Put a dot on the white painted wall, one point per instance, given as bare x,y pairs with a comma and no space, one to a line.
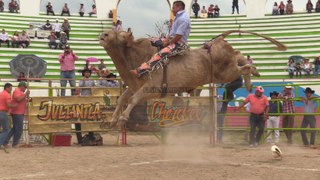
255,9
29,8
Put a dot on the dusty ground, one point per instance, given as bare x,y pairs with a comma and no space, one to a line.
184,157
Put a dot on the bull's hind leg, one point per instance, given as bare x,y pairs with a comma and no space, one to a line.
123,100
137,97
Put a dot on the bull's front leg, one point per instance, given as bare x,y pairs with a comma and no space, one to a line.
123,100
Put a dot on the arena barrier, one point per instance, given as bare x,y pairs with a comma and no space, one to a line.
239,121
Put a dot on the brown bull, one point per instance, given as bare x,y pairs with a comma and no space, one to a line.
217,62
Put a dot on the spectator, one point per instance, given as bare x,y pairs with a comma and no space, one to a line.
291,67
49,9
316,63
204,12
275,9
4,38
281,8
210,11
216,11
104,82
16,6
5,105
21,77
19,97
274,119
101,65
309,6
65,27
195,8
259,108
52,41
24,40
81,10
15,39
93,69
289,7
110,14
235,4
93,11
249,60
47,26
65,9
310,104
318,6
85,82
67,61
56,27
11,6
288,107
1,6
307,67
63,41
298,69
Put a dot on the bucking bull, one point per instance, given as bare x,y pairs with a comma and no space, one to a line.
215,62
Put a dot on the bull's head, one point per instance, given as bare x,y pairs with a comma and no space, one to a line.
116,39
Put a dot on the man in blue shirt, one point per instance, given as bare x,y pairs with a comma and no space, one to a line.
275,107
178,36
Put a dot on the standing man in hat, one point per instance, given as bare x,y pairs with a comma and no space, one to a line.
67,60
274,119
19,97
259,108
288,107
5,105
310,103
195,8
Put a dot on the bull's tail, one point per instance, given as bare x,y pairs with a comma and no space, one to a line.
280,46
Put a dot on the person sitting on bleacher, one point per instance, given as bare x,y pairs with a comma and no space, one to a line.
24,40
1,6
210,11
204,12
275,9
47,26
65,27
216,11
93,11
49,9
316,64
56,27
318,6
4,38
52,41
15,39
307,67
65,9
63,40
291,67
11,6
298,69
289,7
309,6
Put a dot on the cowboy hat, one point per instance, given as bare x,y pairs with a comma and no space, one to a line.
288,86
274,93
309,90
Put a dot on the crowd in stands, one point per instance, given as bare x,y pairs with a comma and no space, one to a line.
16,40
13,6
213,10
310,7
282,9
303,65
66,10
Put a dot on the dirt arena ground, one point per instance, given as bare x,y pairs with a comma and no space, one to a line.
183,157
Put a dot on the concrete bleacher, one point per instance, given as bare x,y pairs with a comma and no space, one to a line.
83,40
299,32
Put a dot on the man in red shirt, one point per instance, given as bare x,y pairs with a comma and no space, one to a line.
5,105
259,108
19,98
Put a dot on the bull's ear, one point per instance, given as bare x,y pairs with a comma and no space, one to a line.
129,39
